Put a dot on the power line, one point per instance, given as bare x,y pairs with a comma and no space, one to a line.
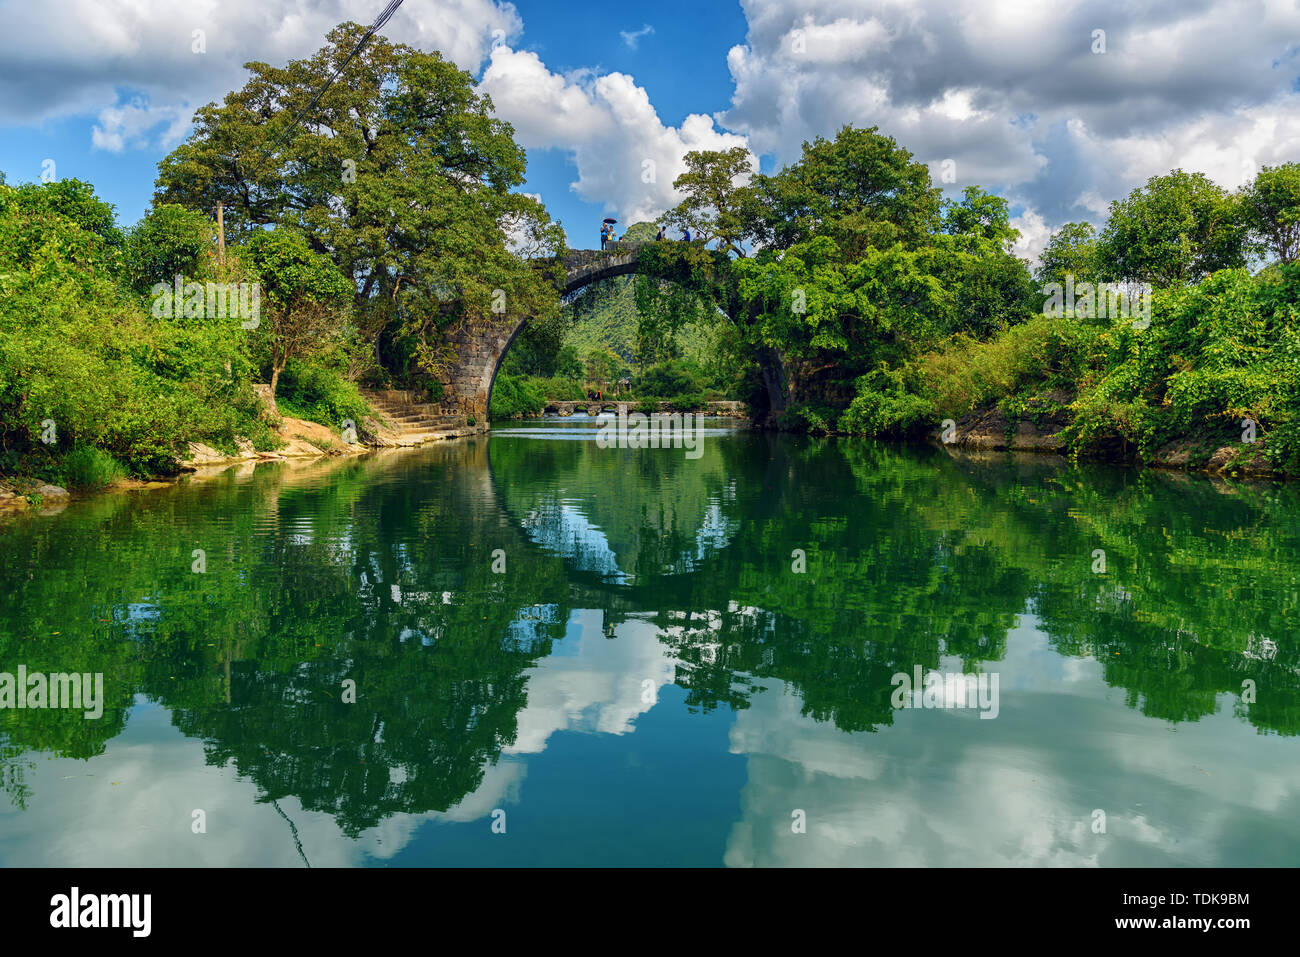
375,27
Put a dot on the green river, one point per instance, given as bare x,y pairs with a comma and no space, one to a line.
529,649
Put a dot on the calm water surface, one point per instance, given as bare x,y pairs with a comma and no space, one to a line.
610,653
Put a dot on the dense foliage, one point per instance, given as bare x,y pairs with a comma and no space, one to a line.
854,263
1216,354
841,293
400,174
874,307
84,363
358,233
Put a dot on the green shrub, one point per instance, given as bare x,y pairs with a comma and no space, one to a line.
88,468
314,392
1215,353
965,374
689,402
83,353
169,241
880,413
667,380
514,396
557,388
805,417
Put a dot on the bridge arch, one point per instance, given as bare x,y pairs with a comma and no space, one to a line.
468,384
468,388
582,267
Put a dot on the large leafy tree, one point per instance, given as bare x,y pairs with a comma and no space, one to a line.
857,263
400,173
169,241
304,294
1177,228
861,188
717,202
979,217
1071,251
1272,209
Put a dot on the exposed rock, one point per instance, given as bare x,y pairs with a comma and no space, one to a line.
992,431
372,433
312,433
297,447
51,491
1220,458
200,454
1245,460
1175,455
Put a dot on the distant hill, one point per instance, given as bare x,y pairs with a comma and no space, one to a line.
612,322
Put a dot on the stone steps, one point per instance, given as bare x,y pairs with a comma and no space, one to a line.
407,415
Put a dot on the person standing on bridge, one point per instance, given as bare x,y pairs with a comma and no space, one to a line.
604,234
659,236
686,235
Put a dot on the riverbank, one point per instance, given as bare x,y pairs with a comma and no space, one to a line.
991,429
986,432
1040,431
300,440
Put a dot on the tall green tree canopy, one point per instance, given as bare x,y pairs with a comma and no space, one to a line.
1272,209
857,261
980,216
401,173
169,241
1071,251
1177,228
716,204
861,188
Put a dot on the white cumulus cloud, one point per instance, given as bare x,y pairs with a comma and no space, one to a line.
1012,93
107,57
626,157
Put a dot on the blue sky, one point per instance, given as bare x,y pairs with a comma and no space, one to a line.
681,64
1017,96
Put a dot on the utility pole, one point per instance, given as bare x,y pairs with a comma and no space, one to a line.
221,237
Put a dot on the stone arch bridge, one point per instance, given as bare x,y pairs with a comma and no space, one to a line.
467,385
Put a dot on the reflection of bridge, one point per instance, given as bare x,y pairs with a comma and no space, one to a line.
605,550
